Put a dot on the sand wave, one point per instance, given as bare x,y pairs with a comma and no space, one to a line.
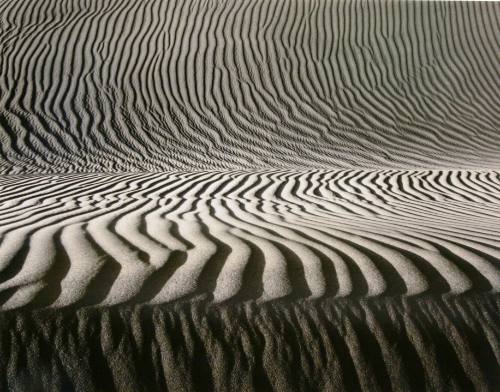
160,85
104,239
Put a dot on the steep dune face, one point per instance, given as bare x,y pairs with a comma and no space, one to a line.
157,85
375,345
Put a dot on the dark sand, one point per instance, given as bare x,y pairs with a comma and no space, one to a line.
426,343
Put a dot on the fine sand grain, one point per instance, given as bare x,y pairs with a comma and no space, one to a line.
431,343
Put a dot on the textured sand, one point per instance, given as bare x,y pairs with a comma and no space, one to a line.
126,85
369,345
108,239
257,195
261,280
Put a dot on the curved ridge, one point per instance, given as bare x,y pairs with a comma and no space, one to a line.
260,235
123,86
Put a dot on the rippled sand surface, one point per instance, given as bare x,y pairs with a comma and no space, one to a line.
249,195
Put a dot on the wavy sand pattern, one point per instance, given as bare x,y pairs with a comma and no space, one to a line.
271,280
249,195
113,85
156,238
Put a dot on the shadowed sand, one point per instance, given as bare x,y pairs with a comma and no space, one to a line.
435,344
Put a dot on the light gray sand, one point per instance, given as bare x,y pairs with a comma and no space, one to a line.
262,235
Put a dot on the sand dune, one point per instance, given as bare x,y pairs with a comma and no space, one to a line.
249,195
216,84
157,238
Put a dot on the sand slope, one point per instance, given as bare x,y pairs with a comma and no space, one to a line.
271,280
157,85
375,345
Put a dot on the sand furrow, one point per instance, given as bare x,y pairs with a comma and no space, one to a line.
231,236
227,85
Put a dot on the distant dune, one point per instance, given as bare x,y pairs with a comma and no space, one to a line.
160,85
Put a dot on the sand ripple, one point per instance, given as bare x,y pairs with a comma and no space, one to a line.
101,239
122,85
